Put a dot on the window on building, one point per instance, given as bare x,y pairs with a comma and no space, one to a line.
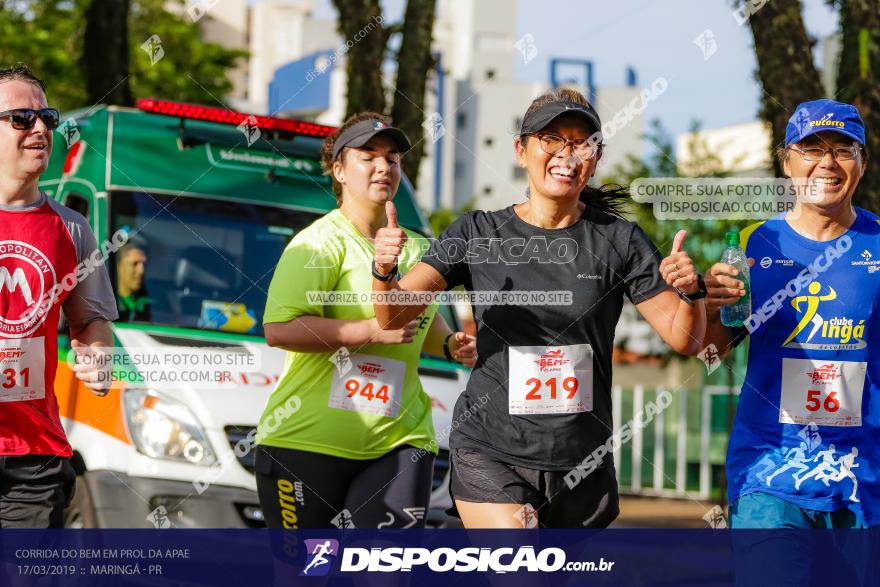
518,173
490,74
460,120
488,141
487,190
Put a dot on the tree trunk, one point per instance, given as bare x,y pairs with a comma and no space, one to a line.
360,26
786,70
414,62
105,53
857,84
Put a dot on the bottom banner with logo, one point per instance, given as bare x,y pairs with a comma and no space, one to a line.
434,557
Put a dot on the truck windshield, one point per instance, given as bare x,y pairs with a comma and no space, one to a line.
201,262
198,262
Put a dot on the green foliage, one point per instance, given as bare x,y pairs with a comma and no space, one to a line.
705,240
443,217
47,35
191,70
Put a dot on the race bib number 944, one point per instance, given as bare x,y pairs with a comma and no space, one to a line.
22,361
550,380
827,393
372,385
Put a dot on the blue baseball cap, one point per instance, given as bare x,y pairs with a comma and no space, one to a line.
824,115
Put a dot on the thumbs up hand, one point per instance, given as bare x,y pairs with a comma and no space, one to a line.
389,242
678,269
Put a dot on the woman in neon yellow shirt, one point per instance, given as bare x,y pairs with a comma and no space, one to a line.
340,439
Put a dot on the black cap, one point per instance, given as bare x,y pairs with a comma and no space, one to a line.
547,113
359,134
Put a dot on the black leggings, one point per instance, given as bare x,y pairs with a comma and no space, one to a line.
300,489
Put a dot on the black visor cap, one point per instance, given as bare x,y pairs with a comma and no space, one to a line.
540,118
358,135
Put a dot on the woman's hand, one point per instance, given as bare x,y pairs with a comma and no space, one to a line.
463,348
398,336
678,269
389,242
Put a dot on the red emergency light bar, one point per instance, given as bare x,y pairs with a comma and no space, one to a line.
221,115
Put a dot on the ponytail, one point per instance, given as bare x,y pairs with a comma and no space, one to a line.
610,198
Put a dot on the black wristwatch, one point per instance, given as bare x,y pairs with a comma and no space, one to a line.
391,275
697,295
446,347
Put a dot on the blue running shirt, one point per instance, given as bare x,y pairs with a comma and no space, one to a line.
808,423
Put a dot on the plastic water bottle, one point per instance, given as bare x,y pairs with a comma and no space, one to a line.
736,314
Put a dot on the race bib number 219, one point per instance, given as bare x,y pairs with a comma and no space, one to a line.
550,380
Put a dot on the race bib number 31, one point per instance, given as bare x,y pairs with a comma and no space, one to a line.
22,361
827,393
550,380
371,385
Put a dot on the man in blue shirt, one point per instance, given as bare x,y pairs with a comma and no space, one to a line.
803,449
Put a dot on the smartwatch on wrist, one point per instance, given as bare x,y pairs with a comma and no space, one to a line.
446,347
697,295
391,275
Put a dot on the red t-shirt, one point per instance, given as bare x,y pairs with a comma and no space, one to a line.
41,246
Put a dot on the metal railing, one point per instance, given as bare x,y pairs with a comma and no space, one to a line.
680,440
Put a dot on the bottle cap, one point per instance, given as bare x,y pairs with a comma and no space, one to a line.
731,237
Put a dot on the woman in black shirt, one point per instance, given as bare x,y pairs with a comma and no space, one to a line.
551,274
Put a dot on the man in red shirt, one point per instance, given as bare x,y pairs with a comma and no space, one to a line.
43,249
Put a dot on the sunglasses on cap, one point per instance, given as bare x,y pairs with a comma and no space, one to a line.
26,118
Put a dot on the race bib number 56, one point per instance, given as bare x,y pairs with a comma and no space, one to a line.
827,393
550,380
22,361
371,385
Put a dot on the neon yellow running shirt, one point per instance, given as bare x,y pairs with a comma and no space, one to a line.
357,403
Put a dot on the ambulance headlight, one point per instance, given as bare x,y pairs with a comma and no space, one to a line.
164,428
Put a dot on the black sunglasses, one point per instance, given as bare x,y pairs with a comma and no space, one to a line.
26,118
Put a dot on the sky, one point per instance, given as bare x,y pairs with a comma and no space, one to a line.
656,38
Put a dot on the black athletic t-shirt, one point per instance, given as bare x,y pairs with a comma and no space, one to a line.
599,259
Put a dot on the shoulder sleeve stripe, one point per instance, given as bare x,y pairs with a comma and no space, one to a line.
77,227
746,232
